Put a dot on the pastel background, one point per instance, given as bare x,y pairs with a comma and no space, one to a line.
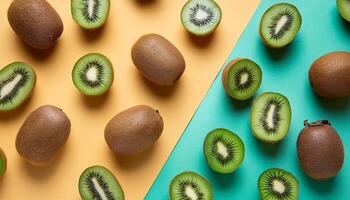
128,20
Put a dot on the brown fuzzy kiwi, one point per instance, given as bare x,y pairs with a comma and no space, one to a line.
329,75
3,163
43,134
320,150
158,60
134,130
36,22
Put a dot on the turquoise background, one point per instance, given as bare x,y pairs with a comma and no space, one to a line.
284,71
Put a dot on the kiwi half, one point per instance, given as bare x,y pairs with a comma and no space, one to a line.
241,78
344,9
17,80
93,74
278,184
223,150
201,17
90,14
190,186
270,117
3,163
98,183
279,25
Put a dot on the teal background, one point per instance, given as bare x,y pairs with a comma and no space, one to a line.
284,71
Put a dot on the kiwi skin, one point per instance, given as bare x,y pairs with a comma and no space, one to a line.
36,22
43,134
158,60
329,75
320,150
3,156
134,130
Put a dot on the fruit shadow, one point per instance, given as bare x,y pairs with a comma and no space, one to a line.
225,181
324,186
95,102
240,104
160,91
200,41
345,25
276,54
38,54
335,105
16,113
93,35
270,149
145,2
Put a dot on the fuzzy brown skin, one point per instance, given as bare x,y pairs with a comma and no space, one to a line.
158,60
320,151
36,22
225,74
330,75
134,130
43,134
3,156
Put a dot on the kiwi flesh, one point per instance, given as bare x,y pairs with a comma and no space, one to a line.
278,184
17,81
270,117
279,25
93,74
241,78
3,163
223,150
98,183
90,14
190,186
201,17
344,9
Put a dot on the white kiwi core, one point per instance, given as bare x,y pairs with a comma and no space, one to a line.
91,74
221,149
280,24
190,192
270,114
278,186
99,189
10,86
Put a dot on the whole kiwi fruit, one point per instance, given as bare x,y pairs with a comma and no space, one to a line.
158,60
330,75
320,150
43,134
36,22
133,130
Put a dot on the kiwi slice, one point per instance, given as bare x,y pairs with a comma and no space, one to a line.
278,184
270,117
93,74
190,186
17,80
2,163
223,150
98,183
90,14
280,24
344,9
201,17
241,78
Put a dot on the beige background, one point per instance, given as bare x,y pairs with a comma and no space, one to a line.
128,20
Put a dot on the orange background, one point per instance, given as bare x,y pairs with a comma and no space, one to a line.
128,20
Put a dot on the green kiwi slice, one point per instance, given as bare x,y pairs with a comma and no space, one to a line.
90,14
201,17
93,74
223,150
17,81
270,117
241,78
190,186
98,183
3,163
278,184
280,24
344,9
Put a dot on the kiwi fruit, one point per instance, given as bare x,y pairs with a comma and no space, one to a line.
158,60
270,117
36,22
134,130
278,184
93,74
320,150
98,183
17,81
190,186
201,17
223,150
344,9
90,14
3,163
241,78
329,75
42,134
279,25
